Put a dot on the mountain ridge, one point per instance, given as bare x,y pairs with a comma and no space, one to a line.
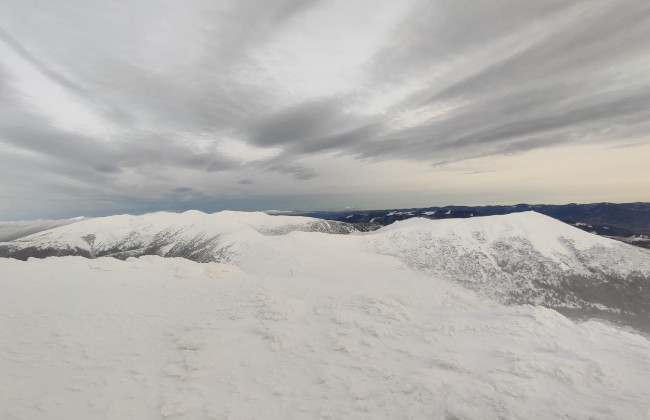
626,222
522,258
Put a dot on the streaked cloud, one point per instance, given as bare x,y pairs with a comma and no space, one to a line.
129,103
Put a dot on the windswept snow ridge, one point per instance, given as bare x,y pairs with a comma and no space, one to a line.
346,334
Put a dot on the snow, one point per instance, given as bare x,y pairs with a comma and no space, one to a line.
544,231
399,213
526,258
637,238
306,325
10,231
518,258
169,338
129,231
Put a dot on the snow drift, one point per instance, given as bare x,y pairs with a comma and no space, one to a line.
168,338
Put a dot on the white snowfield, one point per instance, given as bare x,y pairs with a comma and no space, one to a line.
304,325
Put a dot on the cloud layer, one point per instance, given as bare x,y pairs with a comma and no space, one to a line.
150,104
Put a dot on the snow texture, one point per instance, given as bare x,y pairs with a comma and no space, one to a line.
529,258
328,335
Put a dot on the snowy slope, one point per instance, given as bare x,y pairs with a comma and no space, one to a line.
529,258
515,259
347,334
193,234
10,231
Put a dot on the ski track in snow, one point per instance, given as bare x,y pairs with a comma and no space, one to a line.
155,338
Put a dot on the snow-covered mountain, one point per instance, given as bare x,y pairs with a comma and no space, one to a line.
627,222
529,258
194,235
10,231
296,322
521,258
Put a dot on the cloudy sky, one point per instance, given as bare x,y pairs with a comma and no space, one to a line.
134,106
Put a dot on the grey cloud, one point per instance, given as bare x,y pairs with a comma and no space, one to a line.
314,127
568,84
436,31
56,144
343,140
565,57
629,145
501,132
516,76
90,97
100,166
296,124
182,190
441,163
96,45
299,172
220,165
304,123
22,51
107,158
573,77
108,169
502,99
477,172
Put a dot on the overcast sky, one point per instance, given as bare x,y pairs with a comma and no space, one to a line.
142,105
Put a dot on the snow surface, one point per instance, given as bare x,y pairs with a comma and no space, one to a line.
10,231
153,338
303,325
